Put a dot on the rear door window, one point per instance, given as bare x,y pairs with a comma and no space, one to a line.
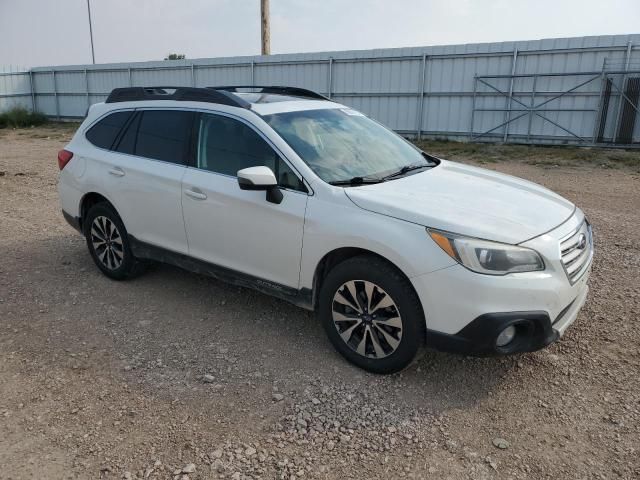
162,135
104,133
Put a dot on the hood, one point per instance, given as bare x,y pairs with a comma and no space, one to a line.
469,201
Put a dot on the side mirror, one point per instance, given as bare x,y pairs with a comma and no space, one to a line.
260,178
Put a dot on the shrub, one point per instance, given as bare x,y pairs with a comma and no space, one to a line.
20,117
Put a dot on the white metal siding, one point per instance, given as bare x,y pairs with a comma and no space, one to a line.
385,83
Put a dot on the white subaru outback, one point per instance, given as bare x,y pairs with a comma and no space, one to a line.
285,191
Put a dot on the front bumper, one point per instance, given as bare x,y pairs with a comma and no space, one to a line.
466,311
534,331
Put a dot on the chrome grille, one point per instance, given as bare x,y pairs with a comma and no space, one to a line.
576,252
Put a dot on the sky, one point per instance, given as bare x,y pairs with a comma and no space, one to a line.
56,32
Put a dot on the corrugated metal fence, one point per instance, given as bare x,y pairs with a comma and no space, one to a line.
543,91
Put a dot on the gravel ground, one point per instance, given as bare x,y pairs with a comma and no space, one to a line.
178,376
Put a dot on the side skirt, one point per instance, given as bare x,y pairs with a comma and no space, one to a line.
301,298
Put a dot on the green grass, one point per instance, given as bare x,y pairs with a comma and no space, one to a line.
19,117
567,156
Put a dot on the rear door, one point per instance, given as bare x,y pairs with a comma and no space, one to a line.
144,173
240,229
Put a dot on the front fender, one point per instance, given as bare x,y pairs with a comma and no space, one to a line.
330,226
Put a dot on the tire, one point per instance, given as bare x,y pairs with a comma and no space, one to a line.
388,314
108,243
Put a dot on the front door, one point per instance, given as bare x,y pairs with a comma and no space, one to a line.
240,229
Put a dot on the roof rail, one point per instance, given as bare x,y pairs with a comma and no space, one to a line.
185,94
294,91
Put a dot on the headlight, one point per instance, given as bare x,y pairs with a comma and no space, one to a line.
483,256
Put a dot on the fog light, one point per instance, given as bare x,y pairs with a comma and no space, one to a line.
506,336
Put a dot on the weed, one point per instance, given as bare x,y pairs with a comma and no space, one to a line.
20,117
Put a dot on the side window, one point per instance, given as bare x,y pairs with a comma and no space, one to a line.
127,142
226,145
104,133
163,135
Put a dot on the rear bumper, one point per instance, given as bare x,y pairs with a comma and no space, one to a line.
73,221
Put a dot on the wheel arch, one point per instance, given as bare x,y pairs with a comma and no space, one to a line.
90,199
339,255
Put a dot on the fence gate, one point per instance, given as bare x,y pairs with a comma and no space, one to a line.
522,108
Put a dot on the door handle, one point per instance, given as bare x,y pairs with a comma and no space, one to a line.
195,194
117,171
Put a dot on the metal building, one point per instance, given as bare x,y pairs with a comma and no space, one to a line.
571,90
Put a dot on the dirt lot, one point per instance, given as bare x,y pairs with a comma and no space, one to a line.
100,379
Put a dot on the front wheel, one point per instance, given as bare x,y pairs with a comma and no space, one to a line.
372,315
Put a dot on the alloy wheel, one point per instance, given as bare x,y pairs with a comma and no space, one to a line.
367,319
107,242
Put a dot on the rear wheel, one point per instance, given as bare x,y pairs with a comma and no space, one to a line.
108,243
372,315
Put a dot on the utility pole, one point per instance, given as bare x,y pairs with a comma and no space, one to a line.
93,55
265,28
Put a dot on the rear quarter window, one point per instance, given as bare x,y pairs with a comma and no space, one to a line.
104,133
127,142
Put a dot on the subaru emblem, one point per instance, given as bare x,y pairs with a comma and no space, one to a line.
582,242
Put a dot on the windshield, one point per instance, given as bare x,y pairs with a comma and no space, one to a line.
342,144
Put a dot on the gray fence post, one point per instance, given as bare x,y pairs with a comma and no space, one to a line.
253,73
330,78
627,59
473,105
33,93
130,77
193,76
507,115
599,113
86,88
531,105
55,94
420,109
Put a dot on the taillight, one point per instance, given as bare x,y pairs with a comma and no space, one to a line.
63,158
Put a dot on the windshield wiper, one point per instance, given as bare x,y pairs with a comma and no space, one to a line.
406,169
355,181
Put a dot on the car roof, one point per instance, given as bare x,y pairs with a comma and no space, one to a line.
263,100
291,104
